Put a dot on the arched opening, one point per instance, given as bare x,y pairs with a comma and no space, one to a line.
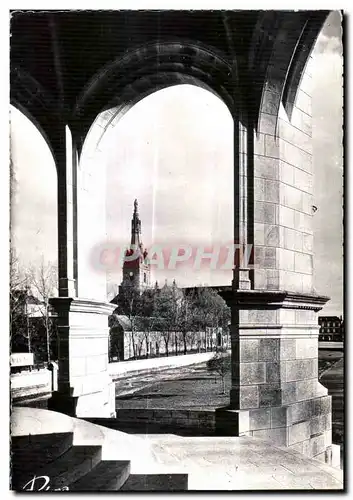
33,243
173,150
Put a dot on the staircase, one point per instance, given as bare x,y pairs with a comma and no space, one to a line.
51,461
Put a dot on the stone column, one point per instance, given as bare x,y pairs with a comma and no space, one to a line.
275,391
84,386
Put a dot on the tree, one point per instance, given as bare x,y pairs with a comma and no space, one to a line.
129,304
43,282
167,303
220,364
185,319
19,292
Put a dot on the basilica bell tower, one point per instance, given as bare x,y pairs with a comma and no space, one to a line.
136,268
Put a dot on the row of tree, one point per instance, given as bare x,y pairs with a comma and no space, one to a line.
173,312
32,323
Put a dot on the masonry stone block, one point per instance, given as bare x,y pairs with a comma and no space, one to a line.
268,123
259,144
295,136
299,432
322,405
300,411
307,282
272,189
278,436
306,389
305,317
260,419
290,197
302,120
271,236
249,397
273,372
328,421
294,155
265,212
301,369
317,445
299,447
307,203
270,258
266,168
269,395
260,277
272,146
269,349
253,373
306,84
263,316
289,392
317,425
308,243
303,102
279,417
286,173
290,280
306,348
249,350
287,316
291,239
285,259
272,277
259,189
271,102
287,349
286,217
303,180
259,233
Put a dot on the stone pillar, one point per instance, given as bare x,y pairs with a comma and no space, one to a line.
275,391
84,386
66,169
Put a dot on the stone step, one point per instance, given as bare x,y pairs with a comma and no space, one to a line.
108,475
156,482
67,469
32,452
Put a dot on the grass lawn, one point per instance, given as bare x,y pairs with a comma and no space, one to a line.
195,389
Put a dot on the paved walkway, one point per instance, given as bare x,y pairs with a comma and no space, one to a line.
212,463
233,463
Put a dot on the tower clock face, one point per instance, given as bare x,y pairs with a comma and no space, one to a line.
131,274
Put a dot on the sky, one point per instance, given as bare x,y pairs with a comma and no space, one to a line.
173,152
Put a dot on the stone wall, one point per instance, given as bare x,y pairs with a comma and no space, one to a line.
195,422
283,193
30,383
128,368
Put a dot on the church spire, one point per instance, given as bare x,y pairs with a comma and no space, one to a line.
135,226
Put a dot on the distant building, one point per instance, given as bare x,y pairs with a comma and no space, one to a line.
331,328
136,268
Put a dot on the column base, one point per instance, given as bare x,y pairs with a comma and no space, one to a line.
100,404
304,426
85,388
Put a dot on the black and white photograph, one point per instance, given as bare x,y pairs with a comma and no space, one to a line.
176,250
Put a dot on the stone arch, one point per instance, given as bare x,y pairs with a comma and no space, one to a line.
144,70
92,177
29,96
